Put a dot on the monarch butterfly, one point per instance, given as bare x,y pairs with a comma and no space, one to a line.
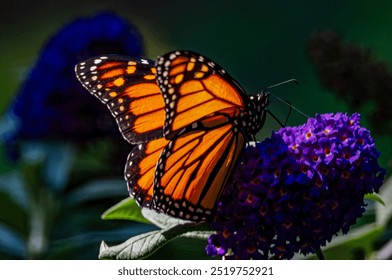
189,120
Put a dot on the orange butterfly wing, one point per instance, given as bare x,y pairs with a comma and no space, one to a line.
140,170
129,89
195,166
193,87
204,107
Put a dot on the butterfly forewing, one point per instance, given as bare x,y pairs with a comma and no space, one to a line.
193,87
128,87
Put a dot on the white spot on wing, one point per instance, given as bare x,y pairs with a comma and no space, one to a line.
144,61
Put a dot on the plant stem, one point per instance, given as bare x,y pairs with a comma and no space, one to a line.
319,254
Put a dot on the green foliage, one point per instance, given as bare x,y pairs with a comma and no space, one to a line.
126,209
39,203
384,212
375,197
144,245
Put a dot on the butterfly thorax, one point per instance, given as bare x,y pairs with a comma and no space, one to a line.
256,114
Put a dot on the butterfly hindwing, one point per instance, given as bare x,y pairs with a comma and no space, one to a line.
140,170
195,165
193,87
128,87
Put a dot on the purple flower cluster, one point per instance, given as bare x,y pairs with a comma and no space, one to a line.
294,191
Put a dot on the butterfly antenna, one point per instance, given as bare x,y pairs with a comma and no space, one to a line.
282,83
276,119
289,104
284,102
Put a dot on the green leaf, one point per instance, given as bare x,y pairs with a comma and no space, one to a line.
202,235
144,245
375,197
161,220
126,209
165,222
182,248
384,212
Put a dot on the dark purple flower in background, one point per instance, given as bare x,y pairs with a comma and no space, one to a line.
354,74
51,104
294,191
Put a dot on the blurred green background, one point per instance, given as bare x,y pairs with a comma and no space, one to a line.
260,43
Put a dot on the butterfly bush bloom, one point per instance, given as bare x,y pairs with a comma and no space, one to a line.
294,191
354,74
51,104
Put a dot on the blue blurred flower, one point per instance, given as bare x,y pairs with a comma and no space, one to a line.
51,104
294,191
